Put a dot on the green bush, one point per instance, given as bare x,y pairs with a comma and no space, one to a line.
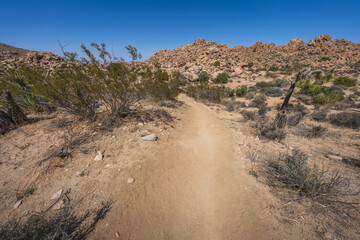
345,81
324,59
205,91
20,81
241,92
203,76
273,68
327,98
217,64
320,94
221,78
250,64
259,99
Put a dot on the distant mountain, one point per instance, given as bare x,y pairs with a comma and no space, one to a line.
10,54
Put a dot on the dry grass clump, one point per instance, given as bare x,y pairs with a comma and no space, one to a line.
63,224
292,171
312,131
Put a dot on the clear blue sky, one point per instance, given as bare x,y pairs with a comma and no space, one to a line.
154,25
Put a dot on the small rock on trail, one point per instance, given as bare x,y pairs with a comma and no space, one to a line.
150,137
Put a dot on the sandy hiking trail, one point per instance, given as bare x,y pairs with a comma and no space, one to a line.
197,187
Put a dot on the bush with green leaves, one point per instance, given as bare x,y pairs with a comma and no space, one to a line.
241,92
323,59
345,81
203,76
320,94
221,78
206,92
217,64
273,68
250,64
20,80
259,100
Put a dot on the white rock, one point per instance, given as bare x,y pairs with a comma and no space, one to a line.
130,180
150,137
17,204
99,156
57,194
79,173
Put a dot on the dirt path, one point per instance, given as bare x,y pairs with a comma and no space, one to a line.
195,188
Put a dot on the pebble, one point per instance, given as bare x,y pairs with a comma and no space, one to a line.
57,194
99,156
130,180
17,204
150,137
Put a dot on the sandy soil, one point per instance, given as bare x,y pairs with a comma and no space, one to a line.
196,187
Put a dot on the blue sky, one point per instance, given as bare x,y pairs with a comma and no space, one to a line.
154,25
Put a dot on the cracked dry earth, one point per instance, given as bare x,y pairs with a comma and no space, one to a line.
196,187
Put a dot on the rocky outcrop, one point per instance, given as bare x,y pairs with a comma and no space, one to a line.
201,55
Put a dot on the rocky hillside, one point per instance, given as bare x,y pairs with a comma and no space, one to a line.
320,52
10,54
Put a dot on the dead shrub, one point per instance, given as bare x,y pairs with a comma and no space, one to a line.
292,171
63,224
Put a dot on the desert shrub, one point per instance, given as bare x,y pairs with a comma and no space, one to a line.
249,115
273,92
286,71
271,75
186,68
311,132
64,224
20,81
159,86
325,99
217,64
298,108
279,82
250,64
250,95
203,76
346,119
232,105
221,78
320,94
324,59
337,90
272,132
262,109
263,84
292,171
328,77
252,89
72,87
205,91
273,68
294,119
320,115
258,100
241,92
345,81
